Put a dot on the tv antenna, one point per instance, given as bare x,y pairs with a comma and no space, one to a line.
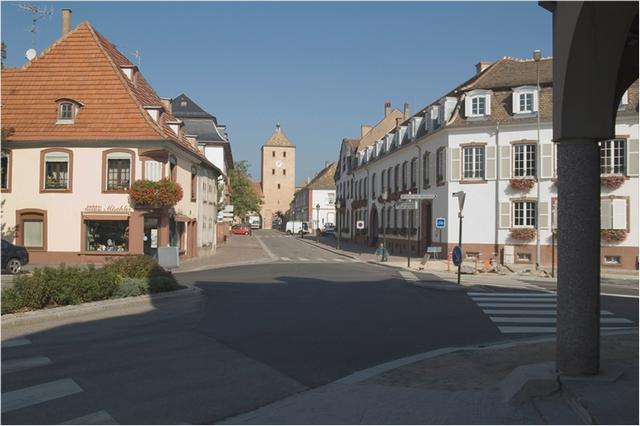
138,56
36,14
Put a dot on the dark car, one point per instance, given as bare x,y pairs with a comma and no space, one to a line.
13,257
329,230
242,229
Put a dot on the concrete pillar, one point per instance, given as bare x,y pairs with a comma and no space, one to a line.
578,316
163,231
136,232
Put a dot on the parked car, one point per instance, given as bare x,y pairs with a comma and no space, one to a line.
296,226
13,257
329,230
241,229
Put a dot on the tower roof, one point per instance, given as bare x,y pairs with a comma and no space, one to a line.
278,138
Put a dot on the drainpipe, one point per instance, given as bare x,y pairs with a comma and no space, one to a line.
497,199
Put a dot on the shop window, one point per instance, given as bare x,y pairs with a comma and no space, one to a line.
523,257
118,170
107,235
5,170
56,167
612,260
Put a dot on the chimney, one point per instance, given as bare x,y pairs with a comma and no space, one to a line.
406,110
481,66
398,121
166,103
66,21
364,129
326,163
387,108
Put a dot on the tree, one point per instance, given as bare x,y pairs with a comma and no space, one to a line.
243,196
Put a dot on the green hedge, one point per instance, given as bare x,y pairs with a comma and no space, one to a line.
70,285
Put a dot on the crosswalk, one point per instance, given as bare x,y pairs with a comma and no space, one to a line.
528,312
320,260
38,393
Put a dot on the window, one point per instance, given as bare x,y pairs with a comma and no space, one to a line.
152,170
526,102
173,168
524,214
425,170
473,165
440,165
404,176
107,235
524,160
613,213
32,229
373,186
478,105
273,171
65,111
118,170
612,260
382,180
389,217
389,188
284,154
56,170
273,153
194,183
612,155
284,172
413,172
365,191
5,170
331,198
396,176
278,186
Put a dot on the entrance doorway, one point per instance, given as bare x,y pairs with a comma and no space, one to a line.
373,226
426,226
151,236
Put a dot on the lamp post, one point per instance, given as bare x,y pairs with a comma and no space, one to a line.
536,57
317,222
460,195
338,206
385,197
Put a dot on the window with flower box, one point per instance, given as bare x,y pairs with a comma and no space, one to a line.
524,214
56,170
612,156
118,169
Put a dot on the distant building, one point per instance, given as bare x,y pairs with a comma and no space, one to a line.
320,191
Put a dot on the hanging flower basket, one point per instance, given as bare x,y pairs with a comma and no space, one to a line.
414,231
612,181
613,235
523,234
522,183
357,204
155,194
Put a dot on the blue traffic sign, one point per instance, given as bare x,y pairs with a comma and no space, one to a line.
441,223
457,256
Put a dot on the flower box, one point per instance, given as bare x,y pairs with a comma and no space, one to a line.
155,194
613,235
612,181
523,234
522,183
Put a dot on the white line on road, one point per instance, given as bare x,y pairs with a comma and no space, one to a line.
20,341
13,365
266,249
516,329
553,320
26,397
303,259
528,312
517,305
320,259
408,276
488,294
512,299
286,259
354,260
337,259
98,418
631,296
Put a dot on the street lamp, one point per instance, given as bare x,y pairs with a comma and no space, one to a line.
339,231
385,197
460,195
536,57
317,222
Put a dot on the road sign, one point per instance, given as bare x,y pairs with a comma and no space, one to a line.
441,223
417,196
407,205
360,224
456,256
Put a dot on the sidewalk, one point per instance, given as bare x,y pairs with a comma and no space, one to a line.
472,386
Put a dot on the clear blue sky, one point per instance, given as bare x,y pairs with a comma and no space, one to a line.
320,69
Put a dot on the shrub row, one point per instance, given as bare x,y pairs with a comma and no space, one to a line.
71,285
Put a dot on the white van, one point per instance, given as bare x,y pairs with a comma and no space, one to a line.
295,226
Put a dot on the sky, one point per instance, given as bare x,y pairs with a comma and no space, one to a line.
320,69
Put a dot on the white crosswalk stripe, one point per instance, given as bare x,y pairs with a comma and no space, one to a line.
19,341
286,259
536,312
13,365
303,259
98,418
37,394
408,276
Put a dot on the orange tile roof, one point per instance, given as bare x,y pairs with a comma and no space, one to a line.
83,66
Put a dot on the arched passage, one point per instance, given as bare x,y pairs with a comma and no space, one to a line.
373,226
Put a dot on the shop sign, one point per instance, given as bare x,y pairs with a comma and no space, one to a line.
96,208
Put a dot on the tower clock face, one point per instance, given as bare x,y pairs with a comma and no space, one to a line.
279,163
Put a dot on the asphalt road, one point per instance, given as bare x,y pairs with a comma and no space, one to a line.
257,334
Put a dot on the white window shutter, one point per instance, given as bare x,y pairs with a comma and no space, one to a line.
505,215
544,215
454,166
488,104
546,158
619,213
633,157
555,160
505,162
467,106
490,163
515,102
536,100
152,170
605,213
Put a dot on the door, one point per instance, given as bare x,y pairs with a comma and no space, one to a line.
151,236
426,226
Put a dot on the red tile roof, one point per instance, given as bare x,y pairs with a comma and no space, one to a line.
83,66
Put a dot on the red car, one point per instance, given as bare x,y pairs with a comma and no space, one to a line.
243,229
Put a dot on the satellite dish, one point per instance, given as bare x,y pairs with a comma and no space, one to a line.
31,54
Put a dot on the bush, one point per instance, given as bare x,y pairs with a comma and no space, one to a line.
10,301
139,266
132,287
159,284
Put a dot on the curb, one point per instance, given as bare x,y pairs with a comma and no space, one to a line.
226,265
313,243
45,315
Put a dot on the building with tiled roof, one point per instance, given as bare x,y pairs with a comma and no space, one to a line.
315,201
483,138
85,126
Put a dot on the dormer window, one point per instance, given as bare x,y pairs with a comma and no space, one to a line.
154,112
67,111
478,103
128,70
175,126
624,101
525,100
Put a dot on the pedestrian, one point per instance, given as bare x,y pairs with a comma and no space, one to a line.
381,253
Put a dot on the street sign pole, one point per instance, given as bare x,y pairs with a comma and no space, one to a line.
409,213
460,244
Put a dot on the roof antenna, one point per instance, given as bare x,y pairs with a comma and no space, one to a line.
138,56
36,14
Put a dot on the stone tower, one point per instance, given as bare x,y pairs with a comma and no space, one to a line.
278,175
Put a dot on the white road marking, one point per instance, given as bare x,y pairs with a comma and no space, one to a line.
408,276
512,299
286,259
517,305
552,320
488,294
19,341
620,295
354,260
515,329
337,259
303,259
13,365
528,312
98,418
266,249
33,395
321,260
